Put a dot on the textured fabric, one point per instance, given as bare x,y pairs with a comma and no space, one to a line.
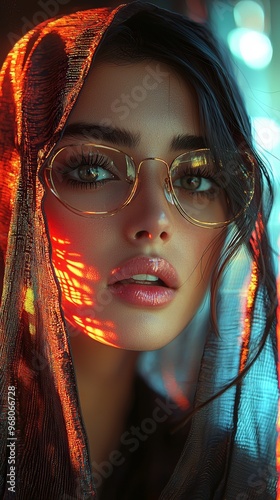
232,440
230,450
52,460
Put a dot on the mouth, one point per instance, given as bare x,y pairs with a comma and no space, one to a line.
145,281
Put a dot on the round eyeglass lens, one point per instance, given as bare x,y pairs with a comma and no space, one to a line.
92,179
200,188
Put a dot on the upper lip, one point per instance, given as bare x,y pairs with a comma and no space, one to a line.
156,266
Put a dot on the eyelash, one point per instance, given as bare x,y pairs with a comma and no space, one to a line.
97,161
90,160
203,173
199,172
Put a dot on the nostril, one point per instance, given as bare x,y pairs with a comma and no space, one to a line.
164,235
143,234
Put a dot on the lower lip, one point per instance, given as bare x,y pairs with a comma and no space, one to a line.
143,295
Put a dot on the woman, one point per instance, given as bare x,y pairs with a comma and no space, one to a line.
131,193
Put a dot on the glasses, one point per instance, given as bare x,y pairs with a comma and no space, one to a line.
92,180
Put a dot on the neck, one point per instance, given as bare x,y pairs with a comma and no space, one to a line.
105,377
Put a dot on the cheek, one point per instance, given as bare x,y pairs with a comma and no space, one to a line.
212,250
80,235
74,241
202,253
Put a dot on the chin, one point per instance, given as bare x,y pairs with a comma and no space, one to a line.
130,330
145,340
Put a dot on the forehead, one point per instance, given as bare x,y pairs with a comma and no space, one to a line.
145,97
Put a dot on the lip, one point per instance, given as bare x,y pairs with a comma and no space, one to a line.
141,294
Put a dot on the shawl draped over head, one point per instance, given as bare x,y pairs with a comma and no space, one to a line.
230,450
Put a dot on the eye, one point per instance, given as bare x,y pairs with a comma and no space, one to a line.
87,169
193,183
87,173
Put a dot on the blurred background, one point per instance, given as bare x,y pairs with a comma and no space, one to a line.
250,29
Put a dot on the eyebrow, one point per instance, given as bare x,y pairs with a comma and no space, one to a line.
123,137
187,141
91,131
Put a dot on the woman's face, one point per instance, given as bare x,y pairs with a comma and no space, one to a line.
135,279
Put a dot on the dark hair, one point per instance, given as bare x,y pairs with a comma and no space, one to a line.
192,50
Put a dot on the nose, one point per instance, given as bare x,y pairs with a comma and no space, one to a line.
149,215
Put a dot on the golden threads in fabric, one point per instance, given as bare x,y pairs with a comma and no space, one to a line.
251,295
30,309
247,325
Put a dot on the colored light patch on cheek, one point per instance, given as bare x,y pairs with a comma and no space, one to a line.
72,290
79,300
75,278
97,330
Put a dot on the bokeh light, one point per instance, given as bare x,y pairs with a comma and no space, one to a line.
253,47
249,14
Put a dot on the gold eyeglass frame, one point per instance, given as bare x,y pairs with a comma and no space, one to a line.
168,188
